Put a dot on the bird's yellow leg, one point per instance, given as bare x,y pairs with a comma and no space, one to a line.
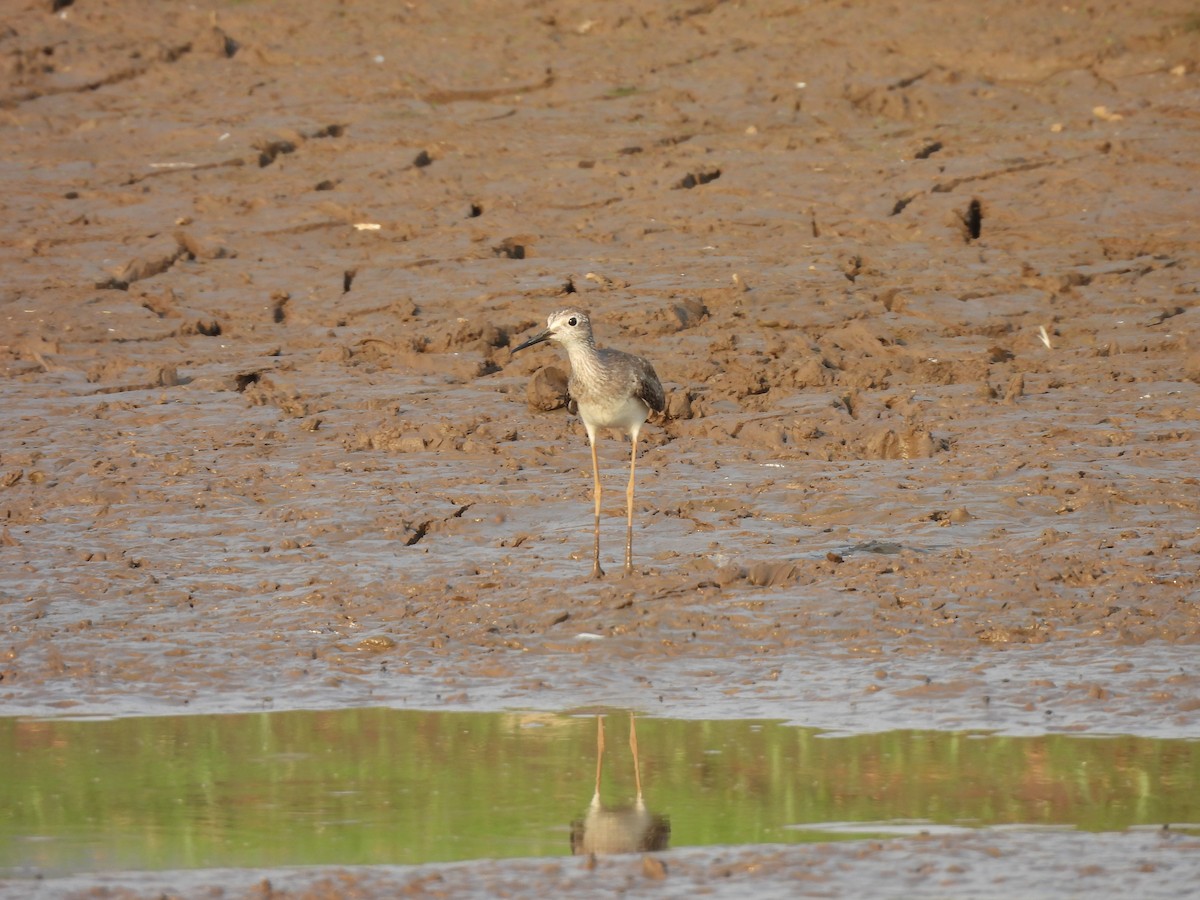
637,767
629,510
597,572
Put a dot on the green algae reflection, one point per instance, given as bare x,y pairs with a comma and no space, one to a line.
385,786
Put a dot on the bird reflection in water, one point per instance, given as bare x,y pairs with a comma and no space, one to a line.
619,829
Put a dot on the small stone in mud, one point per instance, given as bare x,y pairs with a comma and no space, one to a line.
268,150
654,868
376,644
206,326
695,179
217,43
813,372
679,405
1016,388
912,443
765,574
510,248
547,389
688,313
954,517
1191,368
168,376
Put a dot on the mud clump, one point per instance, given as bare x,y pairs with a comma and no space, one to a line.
547,389
912,442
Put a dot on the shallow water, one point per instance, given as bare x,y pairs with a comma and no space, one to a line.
381,786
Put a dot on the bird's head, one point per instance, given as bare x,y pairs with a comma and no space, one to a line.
566,327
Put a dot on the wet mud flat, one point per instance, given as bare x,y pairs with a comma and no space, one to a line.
1036,865
924,310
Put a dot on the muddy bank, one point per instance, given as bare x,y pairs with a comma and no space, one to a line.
1046,864
925,311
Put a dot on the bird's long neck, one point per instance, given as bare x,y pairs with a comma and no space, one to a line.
583,357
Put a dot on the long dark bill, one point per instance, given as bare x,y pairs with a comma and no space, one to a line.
536,339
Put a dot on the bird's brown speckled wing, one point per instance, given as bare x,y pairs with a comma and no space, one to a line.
647,387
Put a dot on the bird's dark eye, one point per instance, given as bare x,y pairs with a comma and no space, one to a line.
572,321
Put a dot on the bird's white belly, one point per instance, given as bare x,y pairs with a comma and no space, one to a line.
626,413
